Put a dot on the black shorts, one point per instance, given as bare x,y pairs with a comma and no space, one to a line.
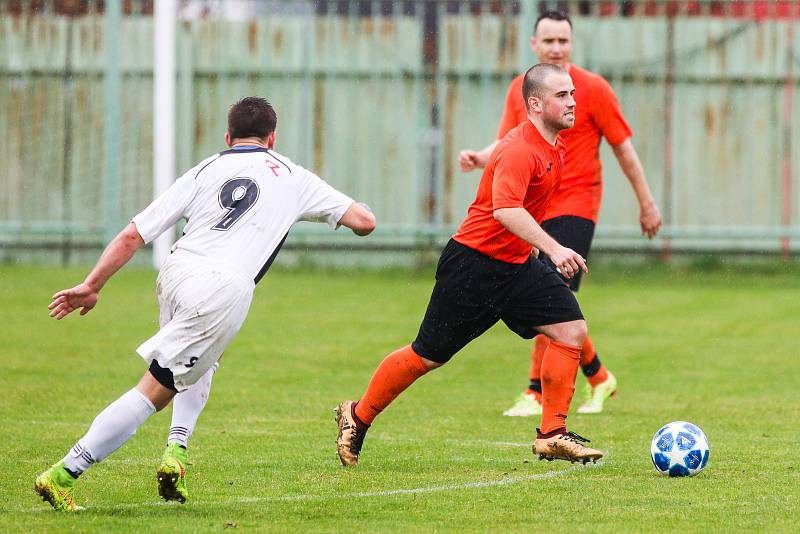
474,291
571,232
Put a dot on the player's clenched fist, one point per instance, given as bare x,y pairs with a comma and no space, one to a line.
568,262
68,300
469,160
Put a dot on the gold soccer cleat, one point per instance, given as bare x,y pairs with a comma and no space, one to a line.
567,446
351,435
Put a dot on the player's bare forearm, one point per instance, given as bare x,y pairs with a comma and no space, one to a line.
359,218
520,223
649,216
632,168
117,253
487,151
84,296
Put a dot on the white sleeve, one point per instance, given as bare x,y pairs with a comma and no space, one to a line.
319,202
167,209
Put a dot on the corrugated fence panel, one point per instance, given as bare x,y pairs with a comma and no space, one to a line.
369,145
380,108
642,104
84,166
793,141
727,114
485,45
727,179
473,107
33,43
617,45
731,48
478,59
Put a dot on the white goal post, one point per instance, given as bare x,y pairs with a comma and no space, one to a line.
164,73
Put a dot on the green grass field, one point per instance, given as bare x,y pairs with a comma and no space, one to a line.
718,348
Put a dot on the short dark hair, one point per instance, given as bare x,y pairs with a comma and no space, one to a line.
552,15
251,116
533,83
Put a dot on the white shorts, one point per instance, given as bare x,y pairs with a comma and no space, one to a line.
202,307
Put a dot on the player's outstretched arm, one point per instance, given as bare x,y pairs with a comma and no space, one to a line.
649,214
470,159
359,218
520,223
84,296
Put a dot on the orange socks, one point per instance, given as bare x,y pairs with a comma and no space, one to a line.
593,369
395,373
539,346
559,368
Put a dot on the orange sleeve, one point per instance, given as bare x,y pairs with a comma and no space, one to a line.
512,174
607,114
514,101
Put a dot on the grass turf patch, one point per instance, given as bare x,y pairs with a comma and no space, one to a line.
715,348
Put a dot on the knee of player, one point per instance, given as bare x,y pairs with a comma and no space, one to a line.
430,364
572,333
578,332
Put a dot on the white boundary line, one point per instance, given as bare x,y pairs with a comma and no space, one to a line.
315,497
411,491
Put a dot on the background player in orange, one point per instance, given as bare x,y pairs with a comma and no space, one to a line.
572,213
486,273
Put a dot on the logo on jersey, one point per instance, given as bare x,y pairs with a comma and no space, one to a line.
236,196
274,167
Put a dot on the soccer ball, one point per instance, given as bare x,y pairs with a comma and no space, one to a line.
679,449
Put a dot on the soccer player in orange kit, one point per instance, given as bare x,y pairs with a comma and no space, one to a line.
486,273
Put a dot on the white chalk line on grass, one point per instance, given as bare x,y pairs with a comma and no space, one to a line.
351,495
410,491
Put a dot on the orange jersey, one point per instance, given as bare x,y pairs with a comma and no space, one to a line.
522,172
597,114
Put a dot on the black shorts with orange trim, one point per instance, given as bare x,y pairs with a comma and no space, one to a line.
571,232
474,291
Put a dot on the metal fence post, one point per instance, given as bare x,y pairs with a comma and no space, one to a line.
113,102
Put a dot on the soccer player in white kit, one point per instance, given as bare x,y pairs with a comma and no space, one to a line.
239,205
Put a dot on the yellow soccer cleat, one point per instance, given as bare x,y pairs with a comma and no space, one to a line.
526,405
171,475
55,486
597,396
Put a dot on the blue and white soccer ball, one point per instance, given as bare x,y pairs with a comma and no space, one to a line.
679,449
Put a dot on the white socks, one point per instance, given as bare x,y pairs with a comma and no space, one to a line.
119,421
187,406
110,429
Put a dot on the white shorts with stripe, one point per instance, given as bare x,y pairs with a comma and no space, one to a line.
202,307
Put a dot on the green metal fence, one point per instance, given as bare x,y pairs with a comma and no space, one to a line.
378,98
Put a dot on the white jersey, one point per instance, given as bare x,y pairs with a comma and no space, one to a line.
239,205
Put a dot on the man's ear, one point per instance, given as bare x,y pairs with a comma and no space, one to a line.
228,139
271,140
